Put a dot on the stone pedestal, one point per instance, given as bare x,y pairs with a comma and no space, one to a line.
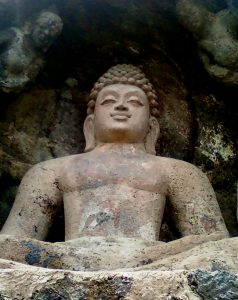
206,271
42,284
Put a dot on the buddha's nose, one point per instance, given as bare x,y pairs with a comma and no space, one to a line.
121,106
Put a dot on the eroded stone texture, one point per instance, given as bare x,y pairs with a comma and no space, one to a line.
94,254
215,150
39,125
21,55
217,285
76,285
216,36
35,283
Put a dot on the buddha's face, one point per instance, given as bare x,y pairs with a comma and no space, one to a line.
121,114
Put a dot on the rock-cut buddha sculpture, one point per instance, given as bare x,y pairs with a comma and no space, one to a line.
117,190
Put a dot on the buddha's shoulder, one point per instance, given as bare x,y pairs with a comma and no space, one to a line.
174,166
55,165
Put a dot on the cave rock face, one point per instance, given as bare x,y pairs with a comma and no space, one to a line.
195,82
216,36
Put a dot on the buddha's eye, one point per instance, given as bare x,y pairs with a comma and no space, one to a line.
135,102
108,101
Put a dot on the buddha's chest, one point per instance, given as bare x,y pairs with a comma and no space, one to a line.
138,173
113,209
122,196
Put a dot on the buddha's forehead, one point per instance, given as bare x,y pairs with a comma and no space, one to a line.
122,89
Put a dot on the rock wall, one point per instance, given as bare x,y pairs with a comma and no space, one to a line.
43,120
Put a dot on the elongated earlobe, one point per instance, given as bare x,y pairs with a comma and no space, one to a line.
152,136
88,130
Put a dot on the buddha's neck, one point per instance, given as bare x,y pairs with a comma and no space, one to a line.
121,147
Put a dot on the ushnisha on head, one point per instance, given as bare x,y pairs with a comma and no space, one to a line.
125,74
122,108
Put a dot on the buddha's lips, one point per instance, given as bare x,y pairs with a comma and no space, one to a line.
120,115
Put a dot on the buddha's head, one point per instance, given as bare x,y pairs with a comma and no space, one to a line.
122,108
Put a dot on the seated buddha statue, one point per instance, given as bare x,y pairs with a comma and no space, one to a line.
118,188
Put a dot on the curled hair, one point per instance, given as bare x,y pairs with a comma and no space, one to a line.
124,74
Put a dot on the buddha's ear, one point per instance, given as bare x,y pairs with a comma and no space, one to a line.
88,130
152,136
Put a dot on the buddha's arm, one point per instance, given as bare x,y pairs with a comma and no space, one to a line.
37,201
193,201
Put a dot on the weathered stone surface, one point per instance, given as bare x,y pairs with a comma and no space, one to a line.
21,57
205,252
216,36
37,126
42,284
216,285
36,283
217,255
215,151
